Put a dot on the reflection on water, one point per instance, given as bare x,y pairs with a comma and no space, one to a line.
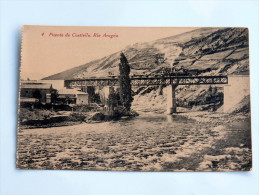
178,119
149,120
170,118
154,117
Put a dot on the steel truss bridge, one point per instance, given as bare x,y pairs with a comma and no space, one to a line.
146,81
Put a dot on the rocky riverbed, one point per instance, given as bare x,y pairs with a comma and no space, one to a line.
197,141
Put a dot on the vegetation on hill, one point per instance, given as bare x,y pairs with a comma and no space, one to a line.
223,50
205,51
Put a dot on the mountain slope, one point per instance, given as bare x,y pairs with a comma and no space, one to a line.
213,50
205,51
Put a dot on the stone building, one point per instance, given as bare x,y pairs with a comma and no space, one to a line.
37,90
72,96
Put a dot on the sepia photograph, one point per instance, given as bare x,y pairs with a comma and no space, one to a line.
157,99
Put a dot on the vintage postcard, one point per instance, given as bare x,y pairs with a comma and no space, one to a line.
134,99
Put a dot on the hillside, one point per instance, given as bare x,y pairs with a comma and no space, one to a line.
205,51
213,50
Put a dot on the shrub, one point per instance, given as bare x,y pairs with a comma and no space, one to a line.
77,117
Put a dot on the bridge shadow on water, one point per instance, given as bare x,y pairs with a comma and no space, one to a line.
152,117
178,118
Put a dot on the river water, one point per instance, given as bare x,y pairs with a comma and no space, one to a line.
149,142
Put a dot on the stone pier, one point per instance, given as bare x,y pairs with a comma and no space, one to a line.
238,88
105,92
171,99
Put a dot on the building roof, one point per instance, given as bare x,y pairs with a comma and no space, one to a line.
67,91
36,85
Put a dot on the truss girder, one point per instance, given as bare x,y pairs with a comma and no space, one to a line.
146,81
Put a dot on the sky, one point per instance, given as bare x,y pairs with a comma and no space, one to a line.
47,50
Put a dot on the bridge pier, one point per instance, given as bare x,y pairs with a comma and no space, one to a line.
235,92
171,99
105,92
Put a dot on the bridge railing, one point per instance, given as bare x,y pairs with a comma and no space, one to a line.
146,81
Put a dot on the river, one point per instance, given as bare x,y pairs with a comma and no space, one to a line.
149,142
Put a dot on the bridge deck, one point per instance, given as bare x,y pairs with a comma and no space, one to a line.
146,81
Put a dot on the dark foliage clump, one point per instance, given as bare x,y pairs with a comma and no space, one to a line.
77,117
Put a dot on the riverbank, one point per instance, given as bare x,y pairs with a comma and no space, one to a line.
229,146
42,118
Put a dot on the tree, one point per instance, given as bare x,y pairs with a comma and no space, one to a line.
37,94
54,96
125,85
113,100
